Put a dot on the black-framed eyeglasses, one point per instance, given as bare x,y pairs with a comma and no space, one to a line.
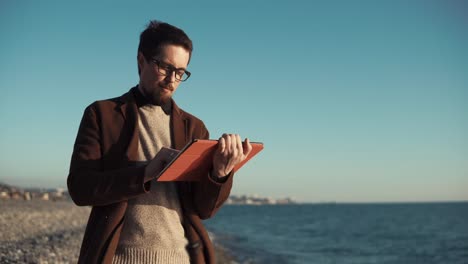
165,69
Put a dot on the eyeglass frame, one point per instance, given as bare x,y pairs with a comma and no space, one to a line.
170,69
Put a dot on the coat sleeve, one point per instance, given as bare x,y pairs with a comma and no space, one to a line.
210,195
88,183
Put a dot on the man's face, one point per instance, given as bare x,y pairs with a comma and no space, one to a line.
159,88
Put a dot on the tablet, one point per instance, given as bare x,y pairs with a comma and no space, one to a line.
195,160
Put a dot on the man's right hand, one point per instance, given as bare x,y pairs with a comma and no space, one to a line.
159,162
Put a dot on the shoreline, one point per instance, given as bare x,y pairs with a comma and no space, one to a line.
39,231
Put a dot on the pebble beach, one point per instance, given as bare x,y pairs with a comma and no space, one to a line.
43,232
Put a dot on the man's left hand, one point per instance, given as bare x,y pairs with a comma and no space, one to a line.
230,152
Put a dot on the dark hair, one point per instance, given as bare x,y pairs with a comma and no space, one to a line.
158,34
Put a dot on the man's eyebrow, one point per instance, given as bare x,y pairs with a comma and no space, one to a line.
172,66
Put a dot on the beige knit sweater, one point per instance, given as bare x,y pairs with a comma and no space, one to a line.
153,231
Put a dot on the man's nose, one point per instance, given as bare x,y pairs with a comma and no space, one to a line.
170,77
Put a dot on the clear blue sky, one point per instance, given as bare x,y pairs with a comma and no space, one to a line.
354,100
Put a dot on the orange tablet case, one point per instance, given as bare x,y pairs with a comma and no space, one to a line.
196,159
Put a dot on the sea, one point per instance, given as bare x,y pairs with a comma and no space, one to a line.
325,233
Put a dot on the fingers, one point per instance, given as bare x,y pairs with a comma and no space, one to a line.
247,148
221,145
228,143
238,146
231,145
230,152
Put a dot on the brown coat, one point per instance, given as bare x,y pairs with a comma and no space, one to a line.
103,175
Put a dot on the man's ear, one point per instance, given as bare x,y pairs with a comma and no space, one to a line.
141,61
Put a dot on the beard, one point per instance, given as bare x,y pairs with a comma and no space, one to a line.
157,96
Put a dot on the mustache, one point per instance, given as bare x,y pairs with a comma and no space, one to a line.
167,86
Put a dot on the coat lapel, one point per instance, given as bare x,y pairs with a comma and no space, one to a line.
179,128
129,111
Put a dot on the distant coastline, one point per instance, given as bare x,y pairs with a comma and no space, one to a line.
8,192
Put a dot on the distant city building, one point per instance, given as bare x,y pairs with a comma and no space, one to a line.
256,200
8,192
